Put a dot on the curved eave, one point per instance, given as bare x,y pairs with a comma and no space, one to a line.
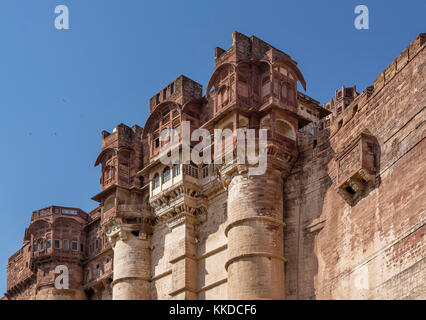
101,155
147,128
37,222
291,64
215,73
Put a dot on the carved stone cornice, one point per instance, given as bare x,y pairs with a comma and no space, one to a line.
165,197
116,230
184,199
176,215
280,161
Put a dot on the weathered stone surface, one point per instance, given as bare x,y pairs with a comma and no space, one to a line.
339,213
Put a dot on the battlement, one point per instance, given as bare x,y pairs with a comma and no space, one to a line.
400,62
181,91
250,47
343,111
120,134
341,100
58,211
351,110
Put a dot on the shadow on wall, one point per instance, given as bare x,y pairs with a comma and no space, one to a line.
306,191
157,254
304,194
378,181
216,217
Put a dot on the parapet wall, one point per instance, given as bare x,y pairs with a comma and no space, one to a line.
385,77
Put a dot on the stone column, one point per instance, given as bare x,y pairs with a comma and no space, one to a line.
132,263
183,258
256,260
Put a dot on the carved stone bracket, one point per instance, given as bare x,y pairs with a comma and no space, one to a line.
117,230
282,162
183,213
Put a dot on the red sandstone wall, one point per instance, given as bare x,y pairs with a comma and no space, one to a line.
376,248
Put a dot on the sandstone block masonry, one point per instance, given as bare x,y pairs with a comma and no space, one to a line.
339,213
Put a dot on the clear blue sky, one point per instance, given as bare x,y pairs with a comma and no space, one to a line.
60,89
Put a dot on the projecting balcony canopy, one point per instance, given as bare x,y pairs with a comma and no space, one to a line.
216,73
102,154
114,151
156,116
284,61
293,67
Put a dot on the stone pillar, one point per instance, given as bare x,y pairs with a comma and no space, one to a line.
132,263
183,258
256,260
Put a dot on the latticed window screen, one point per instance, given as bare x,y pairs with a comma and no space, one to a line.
205,171
191,171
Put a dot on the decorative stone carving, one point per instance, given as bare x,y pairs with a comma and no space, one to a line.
184,199
116,230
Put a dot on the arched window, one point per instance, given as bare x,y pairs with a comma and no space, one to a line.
156,181
176,170
109,203
225,94
284,91
166,175
284,129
